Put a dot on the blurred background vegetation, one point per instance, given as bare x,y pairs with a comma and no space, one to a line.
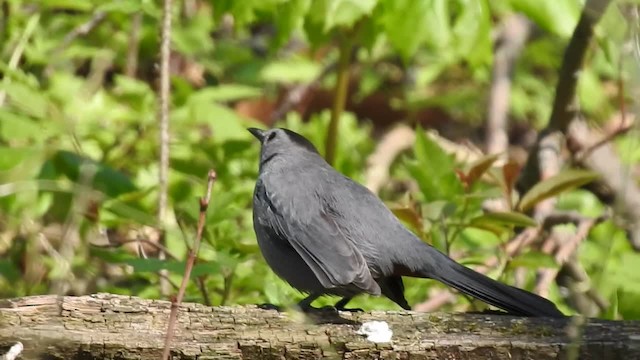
79,140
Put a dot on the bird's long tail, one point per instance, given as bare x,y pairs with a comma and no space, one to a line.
515,301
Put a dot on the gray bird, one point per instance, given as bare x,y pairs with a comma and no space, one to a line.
325,234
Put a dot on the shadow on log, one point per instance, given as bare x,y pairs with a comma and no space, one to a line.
106,326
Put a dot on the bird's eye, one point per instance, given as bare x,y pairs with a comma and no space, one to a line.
271,136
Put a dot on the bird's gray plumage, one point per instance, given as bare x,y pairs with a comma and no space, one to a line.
326,234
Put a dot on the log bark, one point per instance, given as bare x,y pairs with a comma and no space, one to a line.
106,326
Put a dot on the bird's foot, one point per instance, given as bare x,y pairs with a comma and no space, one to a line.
351,310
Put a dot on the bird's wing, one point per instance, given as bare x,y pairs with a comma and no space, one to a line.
320,242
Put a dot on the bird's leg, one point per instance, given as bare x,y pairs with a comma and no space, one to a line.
340,305
305,304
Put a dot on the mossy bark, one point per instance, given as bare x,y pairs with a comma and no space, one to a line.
106,326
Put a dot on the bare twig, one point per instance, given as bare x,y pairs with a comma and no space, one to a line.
81,30
154,244
564,251
581,294
163,119
564,106
606,162
401,138
203,289
191,260
514,32
435,301
340,99
131,68
394,142
623,127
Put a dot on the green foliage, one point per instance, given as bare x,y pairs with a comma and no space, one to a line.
79,140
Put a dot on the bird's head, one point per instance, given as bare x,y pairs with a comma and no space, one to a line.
281,142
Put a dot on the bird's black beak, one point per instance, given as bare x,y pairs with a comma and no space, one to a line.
259,134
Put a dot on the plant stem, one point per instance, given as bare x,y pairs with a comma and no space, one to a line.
340,99
191,260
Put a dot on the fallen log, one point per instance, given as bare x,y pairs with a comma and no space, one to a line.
106,326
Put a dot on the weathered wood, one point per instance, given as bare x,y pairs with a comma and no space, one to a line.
106,326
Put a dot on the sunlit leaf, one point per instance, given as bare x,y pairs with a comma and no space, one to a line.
480,166
505,219
434,170
29,100
534,260
409,216
105,178
228,92
405,24
289,18
12,157
347,12
566,180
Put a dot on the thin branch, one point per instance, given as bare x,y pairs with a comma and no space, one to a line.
131,68
157,246
191,259
81,30
623,128
564,106
435,301
340,100
163,119
564,251
605,161
514,32
581,293
16,55
392,144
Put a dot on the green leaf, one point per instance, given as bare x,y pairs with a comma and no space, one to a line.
224,122
434,170
534,260
566,180
292,70
76,5
155,265
472,32
12,157
314,23
289,17
409,216
227,92
480,166
24,98
347,12
438,26
436,210
193,37
16,127
106,179
557,17
504,218
9,270
405,22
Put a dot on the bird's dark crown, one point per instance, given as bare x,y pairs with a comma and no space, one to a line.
299,139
